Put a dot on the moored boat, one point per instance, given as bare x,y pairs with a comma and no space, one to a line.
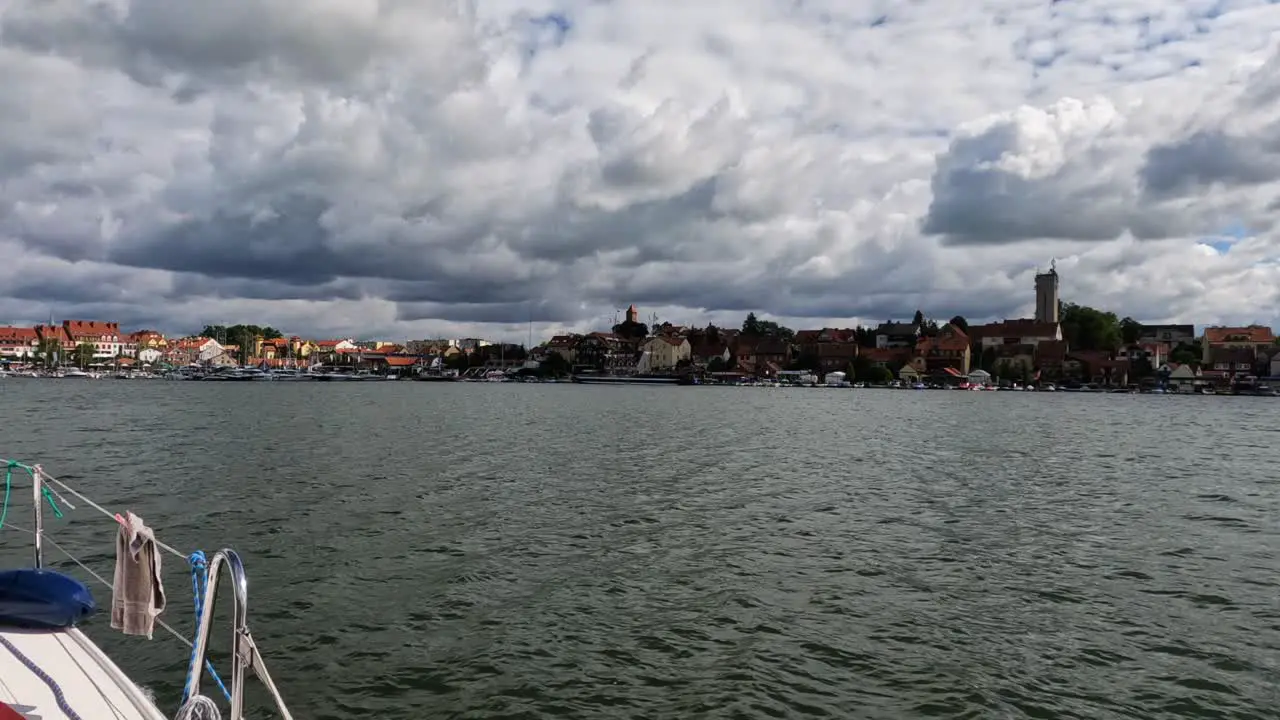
51,670
593,379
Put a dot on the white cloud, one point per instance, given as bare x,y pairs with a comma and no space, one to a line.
413,168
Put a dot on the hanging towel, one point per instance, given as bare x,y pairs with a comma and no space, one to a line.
137,596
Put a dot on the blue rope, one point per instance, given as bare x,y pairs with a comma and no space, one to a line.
199,584
57,690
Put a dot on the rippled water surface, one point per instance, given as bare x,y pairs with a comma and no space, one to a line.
503,551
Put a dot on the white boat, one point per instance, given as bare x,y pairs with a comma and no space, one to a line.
50,670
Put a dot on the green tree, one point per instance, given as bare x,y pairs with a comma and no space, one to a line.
1086,328
1185,354
46,353
717,364
631,330
84,355
773,330
554,365
232,334
755,327
918,320
987,359
1130,331
959,323
1140,368
880,374
807,361
860,368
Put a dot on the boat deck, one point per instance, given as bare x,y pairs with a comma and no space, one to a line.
91,684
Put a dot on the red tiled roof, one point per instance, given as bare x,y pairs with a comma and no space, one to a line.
86,329
709,349
53,332
949,339
1252,334
1052,351
884,354
401,360
1019,327
837,350
18,334
953,372
193,342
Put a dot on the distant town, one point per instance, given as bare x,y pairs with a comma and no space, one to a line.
1062,343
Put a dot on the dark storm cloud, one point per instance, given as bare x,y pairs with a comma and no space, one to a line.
462,290
293,246
978,202
1208,157
189,285
543,311
652,228
290,245
83,285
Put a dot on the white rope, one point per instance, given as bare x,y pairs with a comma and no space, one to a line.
199,708
106,584
46,476
100,579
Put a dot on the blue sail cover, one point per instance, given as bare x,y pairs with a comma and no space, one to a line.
43,599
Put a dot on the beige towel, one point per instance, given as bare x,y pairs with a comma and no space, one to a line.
137,595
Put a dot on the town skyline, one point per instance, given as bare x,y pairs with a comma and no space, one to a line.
561,166
519,333
1060,340
529,336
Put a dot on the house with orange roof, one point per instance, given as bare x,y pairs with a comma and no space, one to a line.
336,347
147,339
1253,337
18,343
272,348
667,351
103,337
946,354
565,346
55,335
1019,331
147,346
887,358
194,350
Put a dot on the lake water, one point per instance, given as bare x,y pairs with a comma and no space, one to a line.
424,550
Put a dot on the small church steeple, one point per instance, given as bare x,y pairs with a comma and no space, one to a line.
632,315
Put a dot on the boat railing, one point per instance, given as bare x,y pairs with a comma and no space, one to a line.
245,653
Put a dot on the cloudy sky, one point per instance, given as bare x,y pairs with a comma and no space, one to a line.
415,168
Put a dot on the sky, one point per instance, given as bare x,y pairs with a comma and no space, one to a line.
496,168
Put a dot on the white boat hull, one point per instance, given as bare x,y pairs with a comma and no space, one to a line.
92,685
